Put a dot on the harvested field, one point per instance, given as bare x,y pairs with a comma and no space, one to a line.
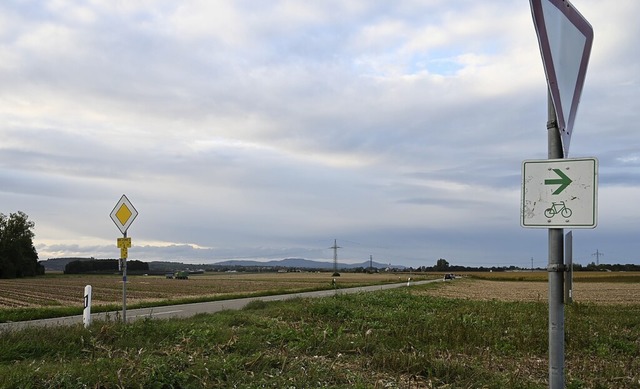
578,276
68,290
606,293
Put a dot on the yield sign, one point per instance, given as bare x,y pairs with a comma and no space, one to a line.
123,214
565,39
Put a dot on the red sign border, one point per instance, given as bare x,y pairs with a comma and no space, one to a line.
573,15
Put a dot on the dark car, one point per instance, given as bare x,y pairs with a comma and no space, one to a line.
449,276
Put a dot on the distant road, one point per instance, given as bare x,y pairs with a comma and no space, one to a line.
187,310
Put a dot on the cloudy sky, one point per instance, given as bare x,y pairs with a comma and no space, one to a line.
245,129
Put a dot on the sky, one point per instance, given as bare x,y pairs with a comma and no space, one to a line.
265,130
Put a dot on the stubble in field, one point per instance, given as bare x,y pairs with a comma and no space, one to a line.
68,290
606,293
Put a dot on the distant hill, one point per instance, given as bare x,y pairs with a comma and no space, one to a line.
304,264
162,266
58,264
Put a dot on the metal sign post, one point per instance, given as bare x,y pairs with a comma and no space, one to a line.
122,244
568,275
558,193
124,290
565,39
556,273
123,215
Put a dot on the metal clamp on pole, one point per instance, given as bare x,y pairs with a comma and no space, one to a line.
552,124
557,267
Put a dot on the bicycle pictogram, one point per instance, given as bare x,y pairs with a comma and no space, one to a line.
558,208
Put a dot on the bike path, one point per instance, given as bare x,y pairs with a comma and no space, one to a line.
188,310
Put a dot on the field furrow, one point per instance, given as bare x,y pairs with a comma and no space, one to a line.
68,290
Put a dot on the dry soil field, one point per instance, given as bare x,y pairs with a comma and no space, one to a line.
68,290
598,288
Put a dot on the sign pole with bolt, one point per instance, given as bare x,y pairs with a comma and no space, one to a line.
565,38
123,215
124,243
568,260
556,272
123,258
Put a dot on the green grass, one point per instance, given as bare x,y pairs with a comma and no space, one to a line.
382,339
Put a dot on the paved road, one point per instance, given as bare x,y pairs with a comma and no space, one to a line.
187,310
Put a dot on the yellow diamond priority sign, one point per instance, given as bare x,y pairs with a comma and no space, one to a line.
123,214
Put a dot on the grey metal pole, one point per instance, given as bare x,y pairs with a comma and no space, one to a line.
555,270
568,275
124,286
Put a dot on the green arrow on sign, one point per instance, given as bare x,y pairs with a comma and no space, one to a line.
563,181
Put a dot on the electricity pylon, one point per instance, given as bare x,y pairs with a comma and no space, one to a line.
597,254
335,248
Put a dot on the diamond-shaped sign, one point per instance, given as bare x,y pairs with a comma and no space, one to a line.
123,214
565,39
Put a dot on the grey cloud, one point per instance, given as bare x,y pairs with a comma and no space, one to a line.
296,123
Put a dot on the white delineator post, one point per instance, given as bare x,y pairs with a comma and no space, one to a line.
86,316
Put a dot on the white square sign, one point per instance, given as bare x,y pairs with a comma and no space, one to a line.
559,193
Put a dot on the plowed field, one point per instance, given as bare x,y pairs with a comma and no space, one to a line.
68,290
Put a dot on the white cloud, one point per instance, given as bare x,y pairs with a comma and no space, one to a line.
269,130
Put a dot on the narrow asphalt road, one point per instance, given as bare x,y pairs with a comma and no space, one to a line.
187,310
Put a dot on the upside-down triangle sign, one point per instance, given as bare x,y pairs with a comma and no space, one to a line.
565,38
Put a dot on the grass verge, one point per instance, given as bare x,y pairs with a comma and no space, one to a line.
393,339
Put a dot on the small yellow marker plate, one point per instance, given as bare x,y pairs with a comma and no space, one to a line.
124,243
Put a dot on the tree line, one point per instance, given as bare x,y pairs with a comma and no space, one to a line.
103,266
606,267
18,256
443,265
